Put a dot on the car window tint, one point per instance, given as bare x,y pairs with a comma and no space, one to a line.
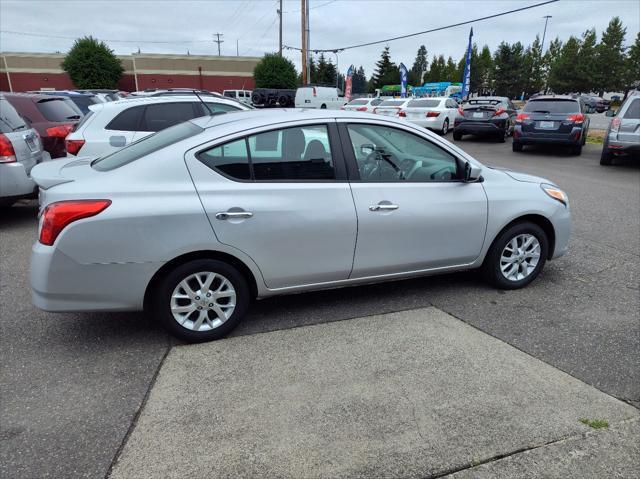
392,102
553,106
128,120
231,159
387,154
301,153
10,120
146,146
424,103
376,102
633,112
221,107
358,102
84,102
230,94
57,110
163,115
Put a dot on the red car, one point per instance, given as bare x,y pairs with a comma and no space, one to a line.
51,116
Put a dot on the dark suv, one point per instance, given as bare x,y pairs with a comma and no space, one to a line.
485,115
53,118
556,120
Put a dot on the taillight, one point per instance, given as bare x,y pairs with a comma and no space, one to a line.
57,216
362,108
433,114
73,146
60,131
577,118
615,124
499,112
402,114
460,112
521,117
7,153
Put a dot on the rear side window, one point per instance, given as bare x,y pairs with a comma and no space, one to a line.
84,102
57,110
392,103
230,94
128,120
423,103
163,115
552,106
10,121
217,108
376,102
231,159
146,146
633,112
358,102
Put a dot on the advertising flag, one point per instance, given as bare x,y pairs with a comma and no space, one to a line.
466,77
403,80
348,83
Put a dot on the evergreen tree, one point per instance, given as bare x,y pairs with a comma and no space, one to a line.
274,71
419,67
535,73
587,63
633,65
359,81
549,58
386,72
485,72
564,71
610,59
451,71
92,64
438,69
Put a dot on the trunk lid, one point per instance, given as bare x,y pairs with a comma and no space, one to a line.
551,116
27,147
56,172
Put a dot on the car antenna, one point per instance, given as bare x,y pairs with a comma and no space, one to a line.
203,103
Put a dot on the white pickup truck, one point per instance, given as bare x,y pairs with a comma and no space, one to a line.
319,97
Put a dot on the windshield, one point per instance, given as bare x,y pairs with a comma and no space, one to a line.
423,103
552,106
147,145
358,102
10,121
392,103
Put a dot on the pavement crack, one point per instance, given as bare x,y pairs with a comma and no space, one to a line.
412,408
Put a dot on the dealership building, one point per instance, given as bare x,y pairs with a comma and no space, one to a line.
43,71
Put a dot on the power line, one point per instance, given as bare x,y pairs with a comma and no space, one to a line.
42,35
314,7
425,31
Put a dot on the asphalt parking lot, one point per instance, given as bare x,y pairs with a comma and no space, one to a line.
73,383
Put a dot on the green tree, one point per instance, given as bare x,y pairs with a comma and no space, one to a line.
485,72
549,58
451,71
274,71
386,72
533,70
419,67
564,71
610,73
587,62
437,70
508,79
633,65
359,81
92,64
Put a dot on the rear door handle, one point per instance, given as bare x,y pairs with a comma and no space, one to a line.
226,215
383,207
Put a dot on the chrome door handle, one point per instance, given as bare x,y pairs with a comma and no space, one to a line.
383,207
233,214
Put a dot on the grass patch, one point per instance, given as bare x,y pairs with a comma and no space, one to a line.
595,423
596,137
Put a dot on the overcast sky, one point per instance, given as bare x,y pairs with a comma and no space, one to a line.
189,25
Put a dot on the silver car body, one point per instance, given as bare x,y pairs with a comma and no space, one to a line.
302,235
623,134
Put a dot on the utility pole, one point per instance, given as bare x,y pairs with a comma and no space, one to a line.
280,35
218,41
303,50
546,20
237,48
307,38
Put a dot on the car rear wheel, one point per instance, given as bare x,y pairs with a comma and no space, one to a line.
606,158
201,300
517,256
515,146
502,136
457,136
577,150
445,127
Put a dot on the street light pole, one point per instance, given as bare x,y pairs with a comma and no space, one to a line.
546,20
335,52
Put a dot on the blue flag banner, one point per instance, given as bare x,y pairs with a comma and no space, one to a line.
403,80
466,77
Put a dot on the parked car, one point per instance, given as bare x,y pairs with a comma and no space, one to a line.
104,95
485,115
20,151
82,100
53,117
437,114
319,97
594,103
273,97
623,135
110,126
363,104
173,92
243,96
195,221
552,119
391,106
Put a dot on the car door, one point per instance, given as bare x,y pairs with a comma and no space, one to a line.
413,211
159,116
281,197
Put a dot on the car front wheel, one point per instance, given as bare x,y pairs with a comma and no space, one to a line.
201,300
445,127
517,256
457,136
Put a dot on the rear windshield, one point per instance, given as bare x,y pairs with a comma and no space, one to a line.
84,102
358,102
482,102
392,103
633,112
55,109
552,106
10,121
146,145
423,103
84,119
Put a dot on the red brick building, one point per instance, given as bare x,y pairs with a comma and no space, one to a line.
36,71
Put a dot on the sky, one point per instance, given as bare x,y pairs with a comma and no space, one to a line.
252,26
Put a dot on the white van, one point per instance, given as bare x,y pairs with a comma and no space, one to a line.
241,95
319,97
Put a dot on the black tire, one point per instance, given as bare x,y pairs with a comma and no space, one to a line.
515,146
606,158
160,308
323,107
502,136
577,150
445,127
257,98
283,100
491,266
457,136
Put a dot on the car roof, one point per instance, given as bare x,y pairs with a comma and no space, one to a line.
33,96
146,100
554,97
430,98
62,93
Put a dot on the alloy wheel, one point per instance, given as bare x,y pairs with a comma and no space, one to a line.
520,257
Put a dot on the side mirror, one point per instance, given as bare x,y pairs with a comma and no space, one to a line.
611,113
471,173
367,148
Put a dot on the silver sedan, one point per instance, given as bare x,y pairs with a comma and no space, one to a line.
195,221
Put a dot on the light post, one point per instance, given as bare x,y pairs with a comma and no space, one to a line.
546,20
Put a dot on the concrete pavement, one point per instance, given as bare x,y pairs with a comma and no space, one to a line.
407,394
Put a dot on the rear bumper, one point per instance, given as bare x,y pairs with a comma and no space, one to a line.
469,127
15,182
573,138
623,148
435,123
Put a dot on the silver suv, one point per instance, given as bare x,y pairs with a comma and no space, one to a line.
623,134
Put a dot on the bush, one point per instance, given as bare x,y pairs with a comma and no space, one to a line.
92,64
274,71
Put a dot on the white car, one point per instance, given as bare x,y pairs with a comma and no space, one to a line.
243,96
391,107
110,126
437,114
363,104
319,97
